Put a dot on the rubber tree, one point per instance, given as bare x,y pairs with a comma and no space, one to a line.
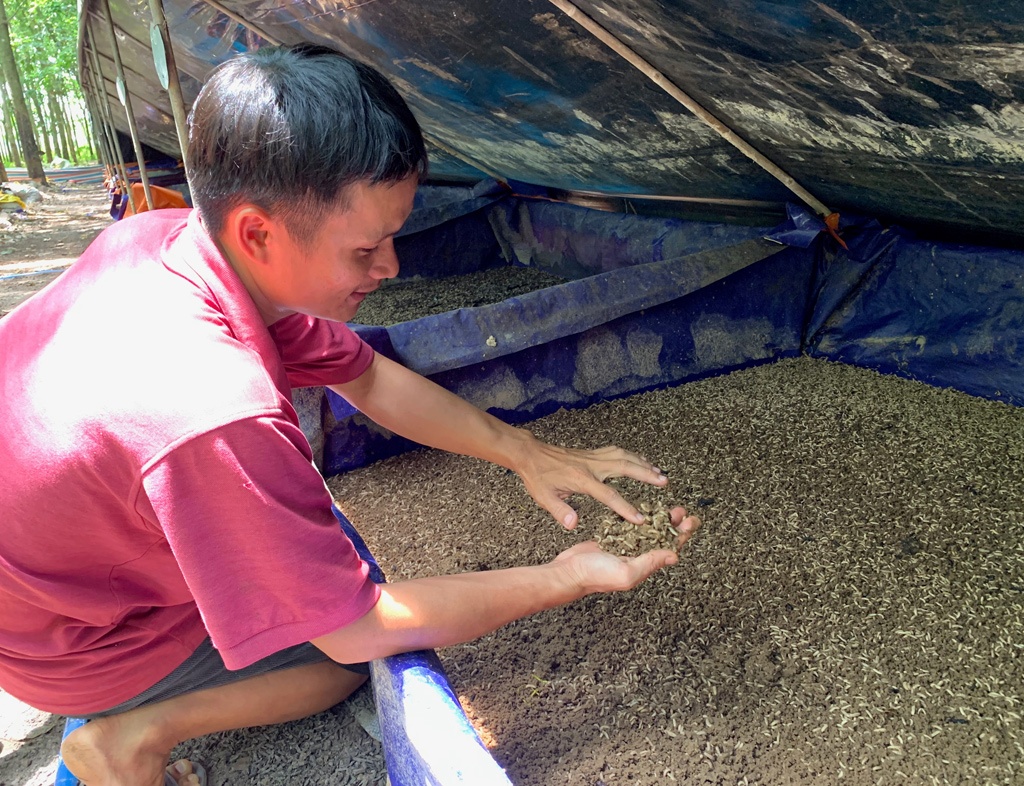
22,119
10,136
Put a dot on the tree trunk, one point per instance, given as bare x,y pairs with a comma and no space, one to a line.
60,145
3,172
42,125
21,115
72,123
60,110
99,135
67,119
9,133
60,126
92,132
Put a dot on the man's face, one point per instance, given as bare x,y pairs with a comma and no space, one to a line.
352,252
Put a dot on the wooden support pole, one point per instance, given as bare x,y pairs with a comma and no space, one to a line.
247,25
104,150
101,108
102,137
98,142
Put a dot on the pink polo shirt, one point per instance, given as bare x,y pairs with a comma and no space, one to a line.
155,485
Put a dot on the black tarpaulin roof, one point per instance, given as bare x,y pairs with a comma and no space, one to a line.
909,111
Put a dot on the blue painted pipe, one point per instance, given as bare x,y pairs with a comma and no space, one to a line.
32,273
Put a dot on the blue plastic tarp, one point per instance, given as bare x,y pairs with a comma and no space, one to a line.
654,302
948,315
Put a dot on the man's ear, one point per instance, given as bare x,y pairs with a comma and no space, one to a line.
251,233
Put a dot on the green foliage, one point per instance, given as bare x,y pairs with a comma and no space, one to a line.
86,155
44,34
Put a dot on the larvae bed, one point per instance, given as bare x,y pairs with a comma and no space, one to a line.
850,612
403,300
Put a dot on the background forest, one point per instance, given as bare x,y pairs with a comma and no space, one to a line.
44,115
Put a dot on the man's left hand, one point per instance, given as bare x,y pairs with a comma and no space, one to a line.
552,474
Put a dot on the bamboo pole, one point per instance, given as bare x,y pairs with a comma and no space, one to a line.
99,132
98,106
98,147
132,127
156,9
108,118
647,69
247,25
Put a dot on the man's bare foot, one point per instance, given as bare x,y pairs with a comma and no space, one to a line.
185,773
110,752
133,748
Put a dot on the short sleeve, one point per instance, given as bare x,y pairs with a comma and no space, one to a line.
249,521
319,352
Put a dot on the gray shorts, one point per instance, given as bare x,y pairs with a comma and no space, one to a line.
205,669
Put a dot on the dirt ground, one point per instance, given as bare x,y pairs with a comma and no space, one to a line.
48,236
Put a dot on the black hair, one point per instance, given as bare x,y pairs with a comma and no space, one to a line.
288,129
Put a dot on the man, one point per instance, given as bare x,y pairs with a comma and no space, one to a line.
169,563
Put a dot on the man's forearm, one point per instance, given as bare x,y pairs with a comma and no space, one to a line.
414,407
444,610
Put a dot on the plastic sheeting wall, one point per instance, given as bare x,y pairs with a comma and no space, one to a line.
656,302
947,315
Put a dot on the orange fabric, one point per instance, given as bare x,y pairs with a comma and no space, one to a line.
162,197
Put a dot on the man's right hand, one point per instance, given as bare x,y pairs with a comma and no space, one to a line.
438,611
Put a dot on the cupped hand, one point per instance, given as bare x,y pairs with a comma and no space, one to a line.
594,570
552,474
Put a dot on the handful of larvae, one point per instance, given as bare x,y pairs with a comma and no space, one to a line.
618,536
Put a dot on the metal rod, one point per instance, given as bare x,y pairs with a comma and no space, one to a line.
132,127
173,85
108,118
656,76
